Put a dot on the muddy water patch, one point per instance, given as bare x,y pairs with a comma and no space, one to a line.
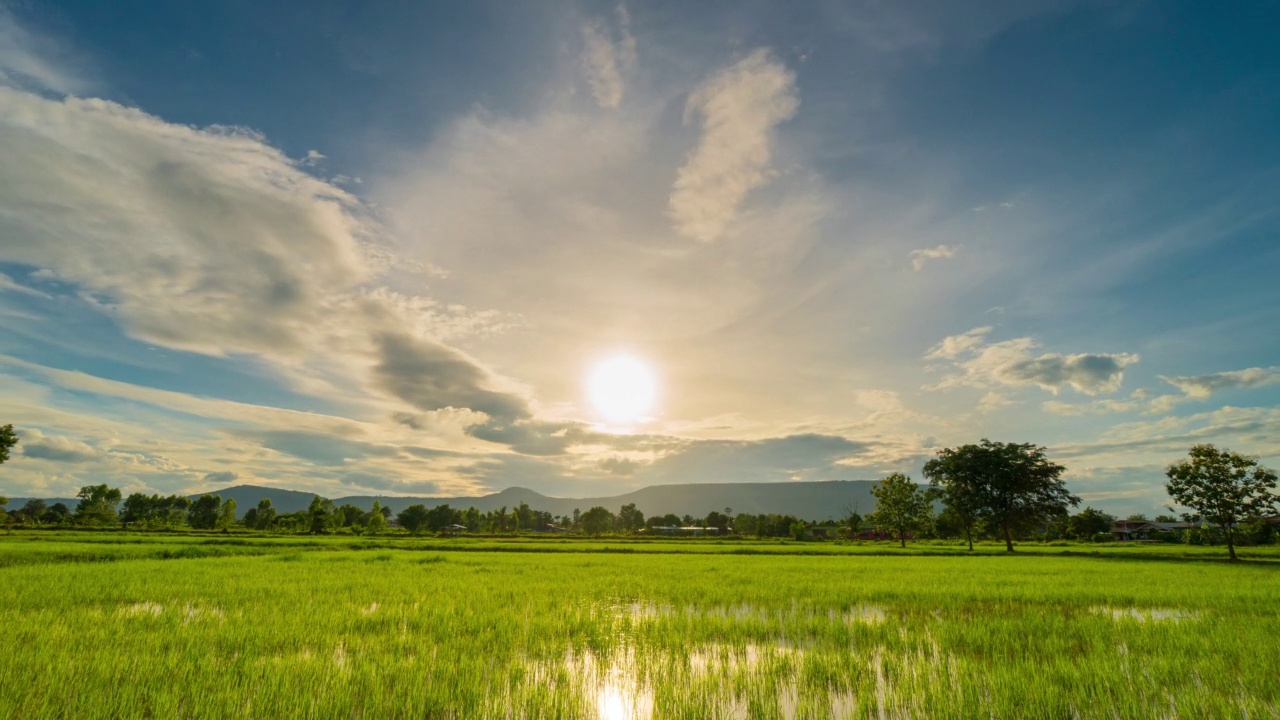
1145,615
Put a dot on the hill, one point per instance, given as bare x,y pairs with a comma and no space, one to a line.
808,500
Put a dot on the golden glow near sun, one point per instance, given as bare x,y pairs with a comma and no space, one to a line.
622,390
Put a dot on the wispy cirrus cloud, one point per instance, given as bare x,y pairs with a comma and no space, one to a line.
922,255
738,110
1199,387
608,57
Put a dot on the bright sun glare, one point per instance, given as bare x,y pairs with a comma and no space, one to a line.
622,389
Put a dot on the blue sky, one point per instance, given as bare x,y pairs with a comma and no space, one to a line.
359,247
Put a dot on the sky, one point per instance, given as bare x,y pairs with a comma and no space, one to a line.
382,248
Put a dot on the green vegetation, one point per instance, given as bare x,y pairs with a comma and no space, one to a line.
215,625
1223,487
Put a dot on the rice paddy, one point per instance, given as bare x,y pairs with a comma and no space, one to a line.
208,627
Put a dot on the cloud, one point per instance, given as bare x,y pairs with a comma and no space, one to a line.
1015,363
809,456
204,240
993,401
319,448
738,109
607,61
923,255
8,284
221,478
1136,403
378,482
1089,374
23,60
1199,387
620,466
431,376
956,345
1250,430
60,448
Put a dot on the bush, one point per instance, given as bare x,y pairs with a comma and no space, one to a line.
1102,537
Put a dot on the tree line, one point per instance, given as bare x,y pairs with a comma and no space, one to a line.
986,490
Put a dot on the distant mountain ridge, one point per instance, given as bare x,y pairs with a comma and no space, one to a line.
827,500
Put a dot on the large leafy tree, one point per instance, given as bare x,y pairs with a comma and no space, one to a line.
204,512
901,505
1012,486
629,518
97,505
227,514
1089,523
597,520
319,515
8,438
413,518
1223,487
264,515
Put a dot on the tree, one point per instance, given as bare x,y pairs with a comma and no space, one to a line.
744,524
319,515
413,518
1222,487
347,515
441,516
597,520
377,522
203,513
57,514
8,438
1013,486
958,478
901,505
97,505
264,515
1135,517
33,511
227,514
136,509
1088,523
629,518
717,520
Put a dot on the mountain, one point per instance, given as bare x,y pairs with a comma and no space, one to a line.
808,500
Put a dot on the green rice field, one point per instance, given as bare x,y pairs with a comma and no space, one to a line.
116,625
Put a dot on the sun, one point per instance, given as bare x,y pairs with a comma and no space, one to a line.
622,389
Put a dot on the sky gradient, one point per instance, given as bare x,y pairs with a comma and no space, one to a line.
366,248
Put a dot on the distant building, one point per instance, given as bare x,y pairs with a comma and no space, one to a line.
453,529
691,530
1127,530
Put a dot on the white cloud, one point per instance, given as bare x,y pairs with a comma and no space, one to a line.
23,60
738,109
956,345
993,401
203,240
1015,363
1199,387
608,61
921,256
58,448
8,284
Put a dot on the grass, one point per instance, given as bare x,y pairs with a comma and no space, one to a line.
210,626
